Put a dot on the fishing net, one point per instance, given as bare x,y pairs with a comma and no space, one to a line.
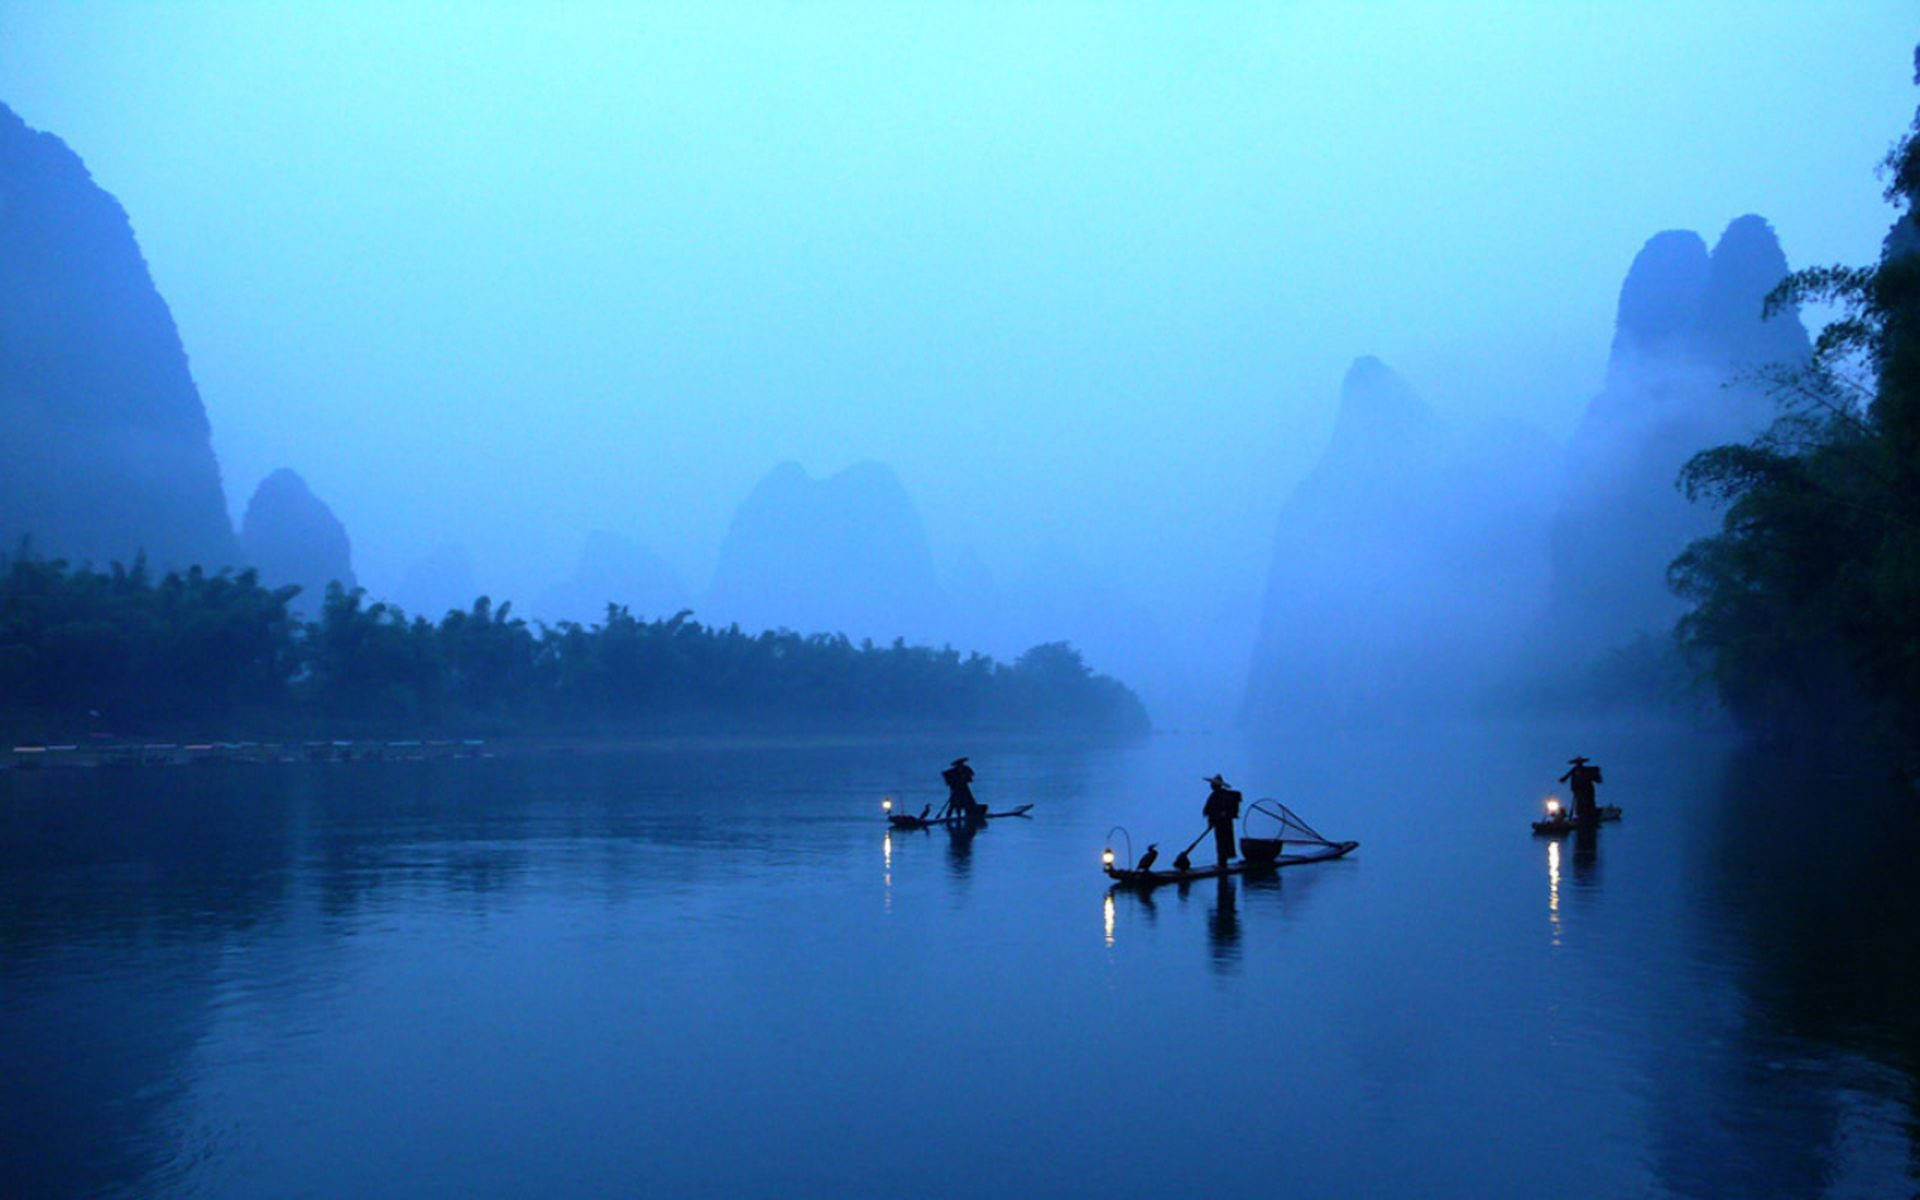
1268,820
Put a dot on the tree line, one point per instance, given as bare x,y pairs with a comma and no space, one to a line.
121,650
1806,605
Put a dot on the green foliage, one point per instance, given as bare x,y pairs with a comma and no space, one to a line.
190,646
368,661
200,650
1807,603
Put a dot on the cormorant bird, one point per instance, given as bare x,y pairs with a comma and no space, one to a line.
1146,860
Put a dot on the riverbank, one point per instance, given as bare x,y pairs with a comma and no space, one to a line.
97,752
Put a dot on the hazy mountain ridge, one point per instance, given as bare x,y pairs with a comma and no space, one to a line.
1418,557
291,537
1403,560
95,387
850,554
614,570
847,554
108,450
1420,561
1681,377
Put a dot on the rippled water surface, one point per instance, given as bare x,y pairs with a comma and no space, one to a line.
708,970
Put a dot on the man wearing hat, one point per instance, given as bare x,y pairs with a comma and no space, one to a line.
1581,776
959,780
1221,810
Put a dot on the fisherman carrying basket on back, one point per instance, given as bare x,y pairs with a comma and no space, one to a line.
1580,777
1221,810
959,781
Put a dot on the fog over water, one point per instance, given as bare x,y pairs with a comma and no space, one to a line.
1087,280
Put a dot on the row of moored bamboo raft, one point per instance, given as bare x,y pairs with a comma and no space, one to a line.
173,754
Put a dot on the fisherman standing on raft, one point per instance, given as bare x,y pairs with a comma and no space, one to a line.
1581,777
1221,810
959,780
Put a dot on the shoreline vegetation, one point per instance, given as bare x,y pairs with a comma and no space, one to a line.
1805,607
118,661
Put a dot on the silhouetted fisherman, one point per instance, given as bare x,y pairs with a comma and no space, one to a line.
959,780
1581,777
1221,810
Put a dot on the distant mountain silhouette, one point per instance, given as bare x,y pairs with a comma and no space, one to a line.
107,450
845,554
615,570
1404,560
1687,342
291,536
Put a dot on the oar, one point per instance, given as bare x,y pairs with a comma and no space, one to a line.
1180,861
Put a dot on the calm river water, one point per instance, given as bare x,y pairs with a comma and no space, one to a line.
704,970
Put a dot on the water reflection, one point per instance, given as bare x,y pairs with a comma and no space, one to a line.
1586,855
1586,873
1148,908
960,850
1223,926
100,870
1804,885
1739,1017
1271,881
1553,888
1223,914
1137,899
143,908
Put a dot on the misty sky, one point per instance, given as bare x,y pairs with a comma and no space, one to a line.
1088,274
